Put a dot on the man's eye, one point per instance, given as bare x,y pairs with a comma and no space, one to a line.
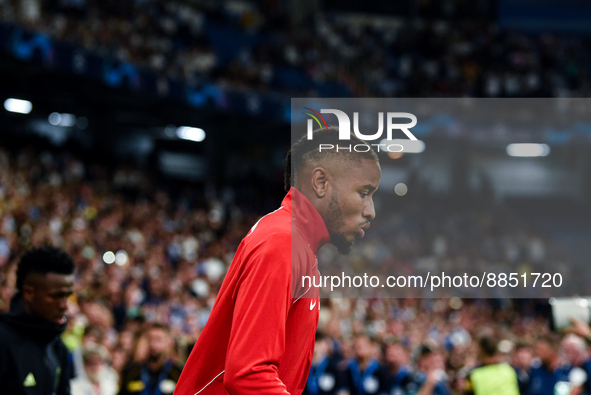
363,194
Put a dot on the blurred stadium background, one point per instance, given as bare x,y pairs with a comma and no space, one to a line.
146,137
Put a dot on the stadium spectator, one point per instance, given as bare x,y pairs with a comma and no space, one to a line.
494,376
158,373
98,377
398,370
521,361
324,372
431,377
363,374
574,350
549,374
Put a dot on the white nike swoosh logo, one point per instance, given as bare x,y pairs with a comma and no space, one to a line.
312,305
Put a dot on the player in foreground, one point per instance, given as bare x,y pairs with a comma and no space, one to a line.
259,338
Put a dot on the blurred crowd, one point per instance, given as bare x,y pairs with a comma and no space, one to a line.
242,46
233,44
417,235
419,346
144,256
461,58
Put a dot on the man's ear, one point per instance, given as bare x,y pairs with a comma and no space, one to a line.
319,181
28,293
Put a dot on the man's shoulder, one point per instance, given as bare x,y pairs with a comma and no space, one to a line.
271,228
177,367
3,324
275,226
131,371
280,219
7,331
60,347
175,372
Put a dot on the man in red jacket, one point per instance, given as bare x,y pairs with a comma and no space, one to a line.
259,338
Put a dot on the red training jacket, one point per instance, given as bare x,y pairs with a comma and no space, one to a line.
259,338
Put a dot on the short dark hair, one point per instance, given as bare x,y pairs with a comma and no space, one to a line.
320,336
425,349
158,325
392,341
521,344
304,150
43,260
489,345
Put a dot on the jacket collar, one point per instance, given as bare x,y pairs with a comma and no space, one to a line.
306,219
35,327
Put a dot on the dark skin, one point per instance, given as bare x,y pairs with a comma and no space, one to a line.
46,296
343,195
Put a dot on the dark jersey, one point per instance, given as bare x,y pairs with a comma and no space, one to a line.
323,378
401,383
419,379
33,359
543,381
363,382
138,379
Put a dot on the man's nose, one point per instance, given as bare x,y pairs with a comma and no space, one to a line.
369,211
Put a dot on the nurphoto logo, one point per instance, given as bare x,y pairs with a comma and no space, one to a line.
345,129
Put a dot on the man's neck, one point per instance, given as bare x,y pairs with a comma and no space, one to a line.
27,308
156,365
493,360
364,362
309,219
394,367
553,364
